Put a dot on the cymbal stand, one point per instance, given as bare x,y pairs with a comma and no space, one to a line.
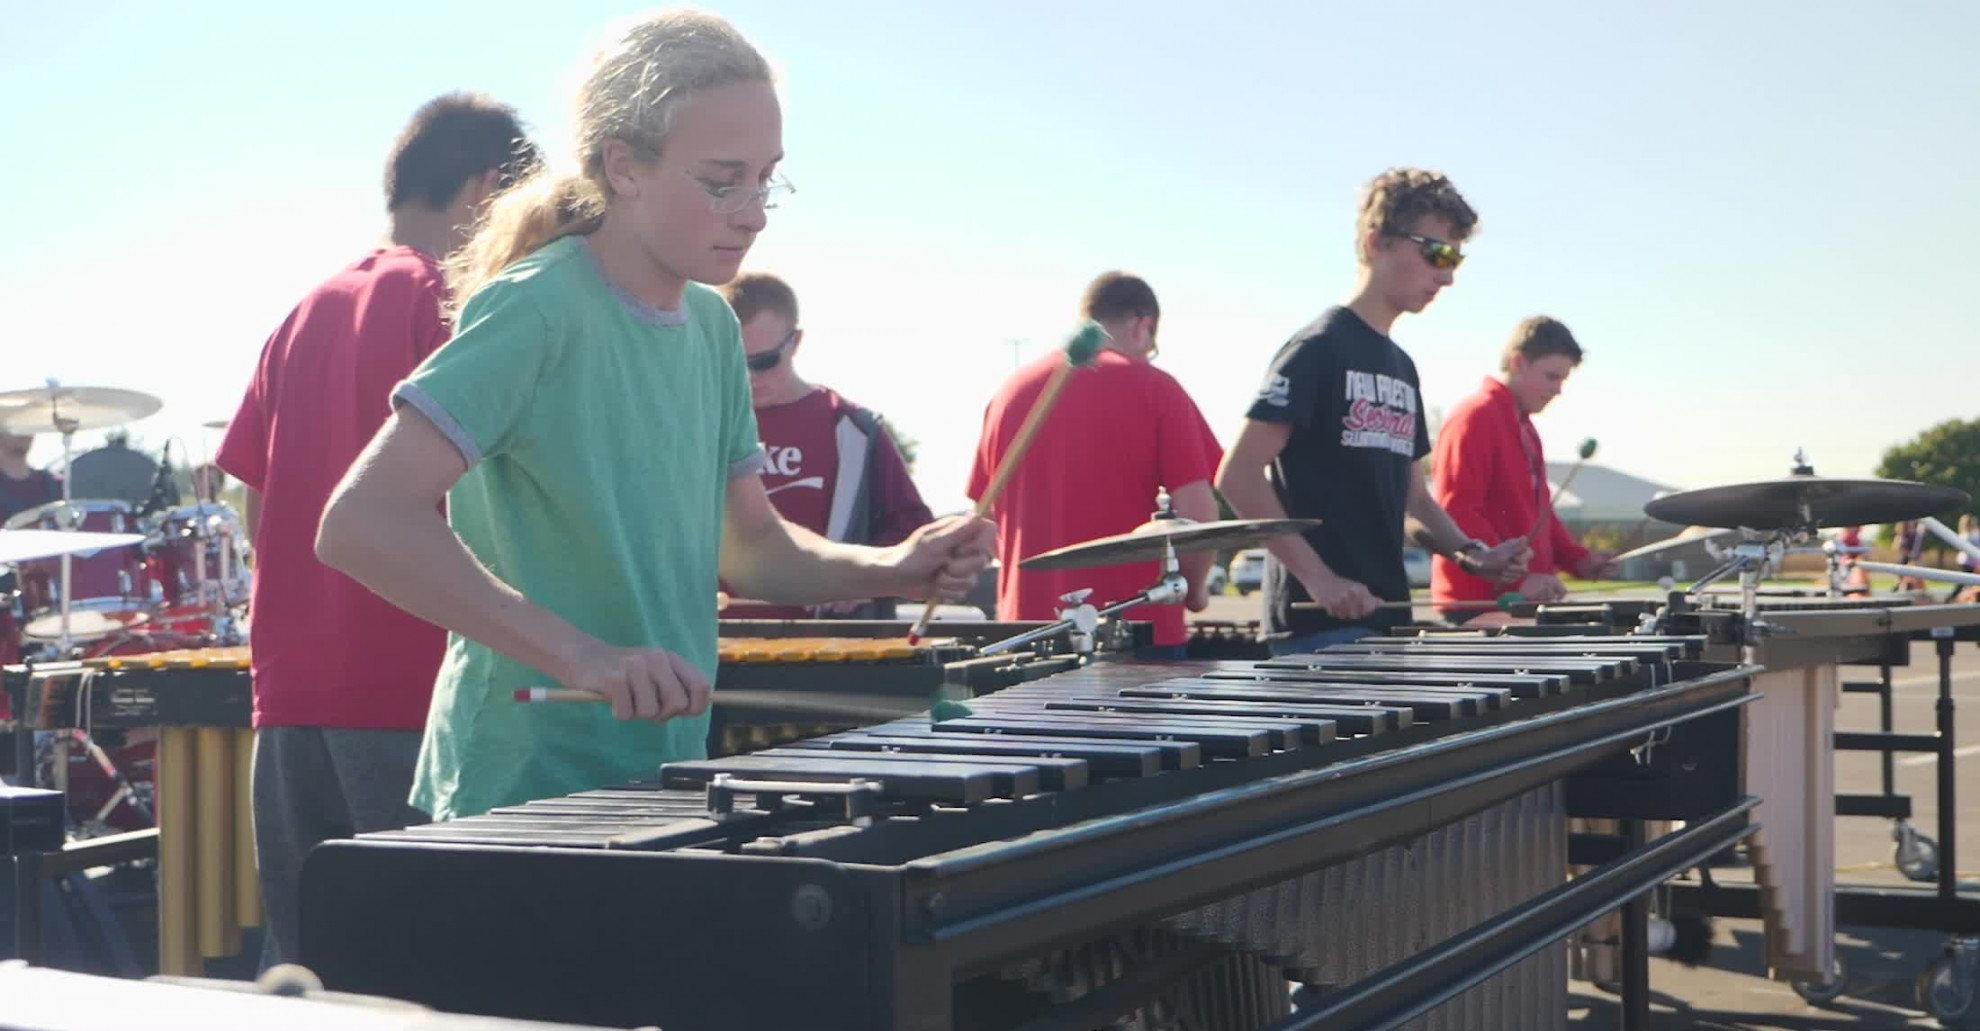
69,520
1083,619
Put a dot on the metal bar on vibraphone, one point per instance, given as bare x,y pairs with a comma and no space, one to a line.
1426,704
1102,760
1170,755
951,784
1581,671
1360,720
1522,684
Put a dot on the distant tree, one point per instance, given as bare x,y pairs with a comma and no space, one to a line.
1946,455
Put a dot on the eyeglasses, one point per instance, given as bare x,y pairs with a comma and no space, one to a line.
1440,255
727,200
764,361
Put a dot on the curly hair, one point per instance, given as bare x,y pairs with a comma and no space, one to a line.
1398,197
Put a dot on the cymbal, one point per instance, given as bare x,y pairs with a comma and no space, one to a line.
28,545
215,424
1805,502
54,409
1145,542
1688,535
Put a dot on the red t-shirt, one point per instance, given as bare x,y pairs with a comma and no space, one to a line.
1490,474
326,651
1120,430
809,442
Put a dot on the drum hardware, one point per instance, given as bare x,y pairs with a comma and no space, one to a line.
1163,537
66,410
1770,515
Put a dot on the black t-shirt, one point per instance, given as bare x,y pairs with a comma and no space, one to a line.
1351,397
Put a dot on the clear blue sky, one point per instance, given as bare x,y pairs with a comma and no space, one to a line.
1760,218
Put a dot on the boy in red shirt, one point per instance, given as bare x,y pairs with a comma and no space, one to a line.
833,467
342,677
1121,430
1490,474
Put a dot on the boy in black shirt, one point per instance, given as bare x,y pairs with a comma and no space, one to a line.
1339,423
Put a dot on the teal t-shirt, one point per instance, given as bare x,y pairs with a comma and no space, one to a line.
600,435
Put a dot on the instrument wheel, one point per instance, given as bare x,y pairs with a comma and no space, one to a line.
1824,992
1949,994
1917,855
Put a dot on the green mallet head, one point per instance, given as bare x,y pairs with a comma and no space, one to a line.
1588,448
1084,344
1510,600
944,710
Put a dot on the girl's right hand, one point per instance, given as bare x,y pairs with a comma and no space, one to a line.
641,683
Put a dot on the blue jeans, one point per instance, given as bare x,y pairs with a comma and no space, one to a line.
1316,641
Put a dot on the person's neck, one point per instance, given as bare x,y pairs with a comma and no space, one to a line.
433,233
1372,307
15,467
787,389
629,266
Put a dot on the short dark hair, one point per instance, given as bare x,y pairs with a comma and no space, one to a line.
1538,337
450,140
1116,295
753,293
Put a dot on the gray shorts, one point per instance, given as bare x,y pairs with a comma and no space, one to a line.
312,784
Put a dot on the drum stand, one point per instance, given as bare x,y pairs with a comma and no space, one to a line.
68,521
1083,619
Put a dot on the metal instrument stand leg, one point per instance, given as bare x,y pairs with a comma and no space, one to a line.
1948,809
1635,945
27,906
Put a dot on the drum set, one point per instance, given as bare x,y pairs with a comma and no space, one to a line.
96,577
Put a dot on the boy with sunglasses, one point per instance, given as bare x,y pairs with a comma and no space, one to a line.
1338,428
833,468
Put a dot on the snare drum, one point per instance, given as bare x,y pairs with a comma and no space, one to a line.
107,588
198,553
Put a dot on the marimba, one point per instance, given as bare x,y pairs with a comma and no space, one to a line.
1131,841
201,702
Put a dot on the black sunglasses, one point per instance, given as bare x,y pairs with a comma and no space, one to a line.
764,361
1439,254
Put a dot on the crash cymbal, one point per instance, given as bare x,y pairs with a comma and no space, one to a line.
1805,503
1688,535
1145,542
55,409
28,545
215,424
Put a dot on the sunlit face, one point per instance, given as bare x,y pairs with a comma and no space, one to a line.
1402,269
765,335
1535,382
724,137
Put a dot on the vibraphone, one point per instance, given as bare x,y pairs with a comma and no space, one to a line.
1791,741
1158,845
201,702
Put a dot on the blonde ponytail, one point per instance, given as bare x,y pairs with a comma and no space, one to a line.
632,92
518,221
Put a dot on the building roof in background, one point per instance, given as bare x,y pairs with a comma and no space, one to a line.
1600,494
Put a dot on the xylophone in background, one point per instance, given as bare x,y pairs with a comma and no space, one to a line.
200,702
1122,844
